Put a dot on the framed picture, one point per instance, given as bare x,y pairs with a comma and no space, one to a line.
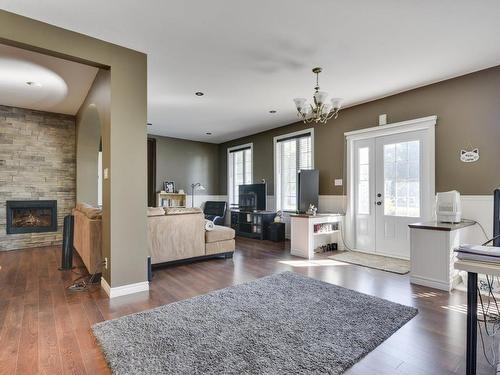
169,186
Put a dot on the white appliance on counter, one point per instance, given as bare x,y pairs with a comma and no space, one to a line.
448,207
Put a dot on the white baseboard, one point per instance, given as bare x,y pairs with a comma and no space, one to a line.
436,284
124,289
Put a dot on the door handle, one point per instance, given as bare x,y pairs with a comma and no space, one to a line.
379,203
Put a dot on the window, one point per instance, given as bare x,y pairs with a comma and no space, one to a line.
364,181
402,179
292,153
239,171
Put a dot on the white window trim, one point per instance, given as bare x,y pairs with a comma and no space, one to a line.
277,198
232,149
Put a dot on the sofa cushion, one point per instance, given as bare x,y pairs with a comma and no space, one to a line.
219,233
182,210
218,247
93,213
156,211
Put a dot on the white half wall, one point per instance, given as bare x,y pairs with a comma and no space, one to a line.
474,207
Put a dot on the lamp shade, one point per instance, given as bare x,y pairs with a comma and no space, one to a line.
320,97
336,103
300,103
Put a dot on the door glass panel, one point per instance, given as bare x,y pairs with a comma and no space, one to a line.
363,181
402,179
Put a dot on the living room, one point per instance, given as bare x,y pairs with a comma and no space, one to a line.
207,203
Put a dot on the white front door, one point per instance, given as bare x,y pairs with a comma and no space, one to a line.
392,174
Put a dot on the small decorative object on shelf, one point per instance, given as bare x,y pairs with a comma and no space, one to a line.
312,210
279,217
169,186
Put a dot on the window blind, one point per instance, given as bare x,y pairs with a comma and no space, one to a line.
239,171
292,154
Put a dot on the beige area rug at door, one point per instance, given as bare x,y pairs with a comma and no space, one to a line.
379,262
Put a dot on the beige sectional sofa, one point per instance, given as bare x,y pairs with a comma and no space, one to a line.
87,237
176,234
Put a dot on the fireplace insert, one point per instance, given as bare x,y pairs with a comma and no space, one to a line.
31,216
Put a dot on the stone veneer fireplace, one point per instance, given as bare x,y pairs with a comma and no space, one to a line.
31,216
37,164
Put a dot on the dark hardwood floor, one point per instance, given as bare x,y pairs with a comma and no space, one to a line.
45,328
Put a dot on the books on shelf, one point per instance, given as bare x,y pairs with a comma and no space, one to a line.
325,227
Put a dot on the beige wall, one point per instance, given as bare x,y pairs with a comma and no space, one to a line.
187,162
124,136
468,110
93,112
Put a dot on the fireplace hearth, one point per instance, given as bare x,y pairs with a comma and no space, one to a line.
31,216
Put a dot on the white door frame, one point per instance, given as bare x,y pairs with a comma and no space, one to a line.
425,123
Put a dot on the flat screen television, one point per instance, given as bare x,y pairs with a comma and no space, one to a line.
252,197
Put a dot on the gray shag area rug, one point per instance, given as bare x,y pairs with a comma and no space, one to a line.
280,324
379,262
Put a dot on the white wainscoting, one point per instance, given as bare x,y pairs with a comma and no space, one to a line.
478,208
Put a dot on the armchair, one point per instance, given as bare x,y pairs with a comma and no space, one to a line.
215,211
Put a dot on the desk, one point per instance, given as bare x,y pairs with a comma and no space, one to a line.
473,269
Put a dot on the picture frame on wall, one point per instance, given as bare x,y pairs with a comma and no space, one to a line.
169,186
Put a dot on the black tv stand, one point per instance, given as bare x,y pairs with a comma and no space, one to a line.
252,224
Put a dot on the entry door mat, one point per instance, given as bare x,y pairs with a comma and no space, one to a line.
379,262
280,324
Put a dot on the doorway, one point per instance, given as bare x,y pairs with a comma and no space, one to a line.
152,172
391,184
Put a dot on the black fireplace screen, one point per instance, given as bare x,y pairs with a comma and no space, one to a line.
31,216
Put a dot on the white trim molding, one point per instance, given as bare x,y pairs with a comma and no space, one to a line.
425,123
123,290
422,123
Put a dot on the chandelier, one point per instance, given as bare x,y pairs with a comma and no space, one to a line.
320,111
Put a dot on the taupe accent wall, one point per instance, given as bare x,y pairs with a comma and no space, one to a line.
123,134
186,162
468,110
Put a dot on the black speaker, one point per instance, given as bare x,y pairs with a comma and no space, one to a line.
67,245
150,270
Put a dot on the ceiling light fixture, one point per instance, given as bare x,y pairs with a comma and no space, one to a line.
199,93
33,84
208,133
272,111
320,111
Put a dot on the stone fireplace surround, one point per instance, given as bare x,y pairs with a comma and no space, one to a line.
37,162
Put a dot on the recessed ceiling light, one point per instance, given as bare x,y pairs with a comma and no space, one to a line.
272,111
199,93
208,133
34,84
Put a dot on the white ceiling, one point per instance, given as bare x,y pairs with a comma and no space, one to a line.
59,85
253,56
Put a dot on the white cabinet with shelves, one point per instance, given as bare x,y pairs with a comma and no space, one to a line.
308,233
